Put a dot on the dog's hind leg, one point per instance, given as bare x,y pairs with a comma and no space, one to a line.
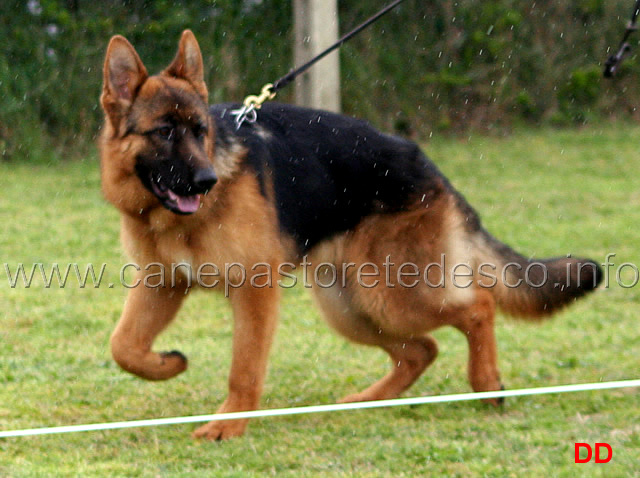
476,322
409,358
410,355
147,312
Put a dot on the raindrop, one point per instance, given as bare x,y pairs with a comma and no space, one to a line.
34,7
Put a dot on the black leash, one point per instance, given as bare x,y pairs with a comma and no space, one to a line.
289,77
612,63
254,102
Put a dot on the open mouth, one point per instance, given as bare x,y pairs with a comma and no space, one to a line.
173,201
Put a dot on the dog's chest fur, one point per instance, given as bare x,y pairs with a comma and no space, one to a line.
221,233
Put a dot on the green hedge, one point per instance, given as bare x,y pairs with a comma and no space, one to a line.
430,65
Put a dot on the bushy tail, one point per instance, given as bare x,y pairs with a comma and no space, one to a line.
531,288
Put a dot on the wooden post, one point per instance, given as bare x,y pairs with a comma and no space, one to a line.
316,28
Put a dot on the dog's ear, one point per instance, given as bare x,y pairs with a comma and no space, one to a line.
124,73
188,64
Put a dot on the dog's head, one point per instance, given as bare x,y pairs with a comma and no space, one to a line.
157,145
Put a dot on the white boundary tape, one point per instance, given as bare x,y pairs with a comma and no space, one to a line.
581,387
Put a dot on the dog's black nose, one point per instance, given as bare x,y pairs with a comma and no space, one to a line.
204,179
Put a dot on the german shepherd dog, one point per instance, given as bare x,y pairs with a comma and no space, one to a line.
300,184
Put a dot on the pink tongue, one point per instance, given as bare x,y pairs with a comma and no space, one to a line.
187,204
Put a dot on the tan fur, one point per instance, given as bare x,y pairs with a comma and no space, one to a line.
236,224
398,318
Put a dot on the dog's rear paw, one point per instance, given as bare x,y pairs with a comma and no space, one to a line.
496,402
501,400
356,397
221,430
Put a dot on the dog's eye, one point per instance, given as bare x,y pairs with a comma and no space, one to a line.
165,132
200,131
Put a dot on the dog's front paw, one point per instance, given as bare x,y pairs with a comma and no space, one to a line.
147,364
221,430
225,429
171,364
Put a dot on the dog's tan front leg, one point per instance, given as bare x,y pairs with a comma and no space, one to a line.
147,312
255,317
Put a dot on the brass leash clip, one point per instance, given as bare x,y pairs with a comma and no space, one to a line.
251,104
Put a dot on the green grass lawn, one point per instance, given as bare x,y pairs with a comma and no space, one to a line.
546,193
